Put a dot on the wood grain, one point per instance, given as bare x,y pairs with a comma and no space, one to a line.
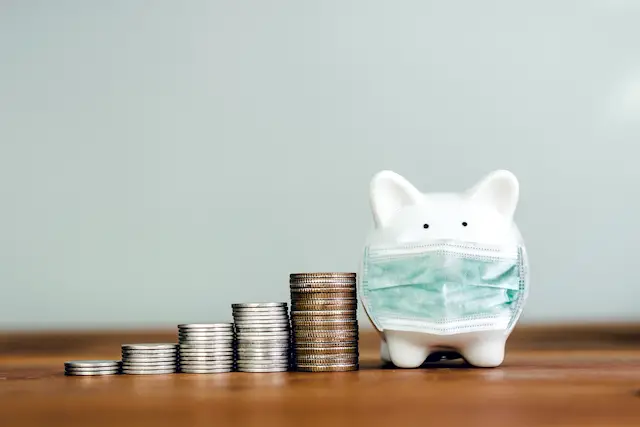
552,376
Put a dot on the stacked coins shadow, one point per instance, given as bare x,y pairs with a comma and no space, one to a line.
324,321
92,367
149,359
206,348
263,337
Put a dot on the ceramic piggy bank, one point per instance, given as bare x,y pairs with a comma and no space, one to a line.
444,272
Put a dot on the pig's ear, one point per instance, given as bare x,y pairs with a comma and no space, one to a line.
500,190
388,193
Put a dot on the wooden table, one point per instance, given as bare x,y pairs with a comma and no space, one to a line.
551,377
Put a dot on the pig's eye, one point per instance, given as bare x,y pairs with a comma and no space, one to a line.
464,224
426,226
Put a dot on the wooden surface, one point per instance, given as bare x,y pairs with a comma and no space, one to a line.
585,376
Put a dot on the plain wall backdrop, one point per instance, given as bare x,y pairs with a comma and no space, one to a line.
160,160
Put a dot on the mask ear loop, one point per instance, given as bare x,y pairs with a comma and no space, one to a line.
522,289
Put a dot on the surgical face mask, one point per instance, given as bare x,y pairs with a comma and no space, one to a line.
443,287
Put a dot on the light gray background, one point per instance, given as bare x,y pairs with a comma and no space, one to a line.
160,160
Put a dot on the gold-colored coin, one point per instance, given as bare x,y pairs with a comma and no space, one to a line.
337,340
329,307
327,368
332,351
296,294
321,274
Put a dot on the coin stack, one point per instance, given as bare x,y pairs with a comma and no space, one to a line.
324,321
148,359
206,348
263,337
92,367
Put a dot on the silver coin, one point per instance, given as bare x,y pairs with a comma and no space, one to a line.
91,373
245,334
98,368
261,352
149,353
207,349
212,351
221,334
208,334
265,360
266,319
156,372
159,363
262,365
206,359
206,366
207,354
259,322
259,314
258,331
207,326
262,326
261,308
149,368
189,340
92,363
206,371
259,304
263,370
265,344
149,346
167,351
149,358
208,343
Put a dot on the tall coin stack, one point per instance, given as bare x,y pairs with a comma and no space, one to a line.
206,348
141,359
263,337
324,321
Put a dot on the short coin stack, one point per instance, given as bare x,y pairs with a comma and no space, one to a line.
149,359
263,337
92,367
206,348
324,321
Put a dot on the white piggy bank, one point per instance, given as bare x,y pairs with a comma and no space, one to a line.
466,294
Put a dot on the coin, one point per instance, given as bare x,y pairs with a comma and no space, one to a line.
193,366
262,329
92,364
188,370
148,372
323,275
243,352
207,334
206,326
263,344
206,357
75,373
326,359
149,346
263,370
349,314
329,307
209,340
327,368
224,352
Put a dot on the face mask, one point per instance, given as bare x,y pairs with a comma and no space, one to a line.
443,287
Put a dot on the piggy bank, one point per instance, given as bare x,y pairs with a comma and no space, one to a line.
444,272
